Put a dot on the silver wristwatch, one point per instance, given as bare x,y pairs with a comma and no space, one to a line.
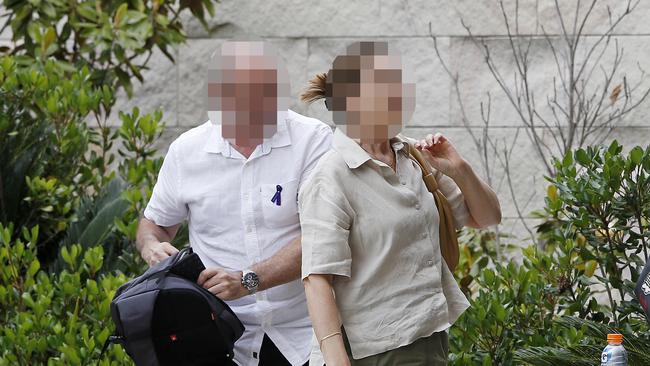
250,281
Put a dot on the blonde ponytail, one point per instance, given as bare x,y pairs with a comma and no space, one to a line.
316,89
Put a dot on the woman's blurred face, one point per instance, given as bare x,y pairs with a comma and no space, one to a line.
375,102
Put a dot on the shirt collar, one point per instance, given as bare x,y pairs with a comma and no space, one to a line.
399,144
353,154
218,145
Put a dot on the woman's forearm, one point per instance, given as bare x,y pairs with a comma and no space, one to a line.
481,200
325,318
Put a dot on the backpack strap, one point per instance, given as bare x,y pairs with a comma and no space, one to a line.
164,266
448,237
111,339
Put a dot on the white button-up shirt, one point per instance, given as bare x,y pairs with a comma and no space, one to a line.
234,224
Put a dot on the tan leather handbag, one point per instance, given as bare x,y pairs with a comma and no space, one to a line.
448,237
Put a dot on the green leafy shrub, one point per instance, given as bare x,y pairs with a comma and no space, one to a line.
514,307
113,39
64,180
66,62
59,319
42,144
55,172
602,200
556,305
478,250
586,353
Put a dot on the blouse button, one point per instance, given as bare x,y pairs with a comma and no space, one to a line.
430,262
417,206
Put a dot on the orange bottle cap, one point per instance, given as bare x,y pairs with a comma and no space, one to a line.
615,337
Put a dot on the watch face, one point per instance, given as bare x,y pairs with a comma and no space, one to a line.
250,280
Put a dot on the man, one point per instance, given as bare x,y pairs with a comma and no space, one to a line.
235,178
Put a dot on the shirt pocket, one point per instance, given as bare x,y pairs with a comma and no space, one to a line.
282,212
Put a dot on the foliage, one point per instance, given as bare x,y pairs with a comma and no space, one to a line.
63,179
479,249
62,318
513,308
589,94
549,309
113,39
584,353
94,224
602,199
42,144
55,171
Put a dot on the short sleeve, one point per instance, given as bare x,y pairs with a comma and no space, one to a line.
325,223
455,198
319,145
165,208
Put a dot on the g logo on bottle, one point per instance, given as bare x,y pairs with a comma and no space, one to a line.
605,357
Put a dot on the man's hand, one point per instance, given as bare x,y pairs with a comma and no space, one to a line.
223,284
156,252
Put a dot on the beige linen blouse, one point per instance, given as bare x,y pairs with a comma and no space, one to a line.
377,231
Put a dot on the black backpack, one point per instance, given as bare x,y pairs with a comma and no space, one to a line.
164,317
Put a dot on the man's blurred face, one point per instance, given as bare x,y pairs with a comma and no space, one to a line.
246,91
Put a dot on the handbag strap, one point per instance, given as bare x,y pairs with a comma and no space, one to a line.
427,175
448,239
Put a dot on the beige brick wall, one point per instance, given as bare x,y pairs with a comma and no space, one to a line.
309,34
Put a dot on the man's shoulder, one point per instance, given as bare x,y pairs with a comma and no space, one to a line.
193,138
300,125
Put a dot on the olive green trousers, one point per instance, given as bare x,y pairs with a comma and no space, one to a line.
429,351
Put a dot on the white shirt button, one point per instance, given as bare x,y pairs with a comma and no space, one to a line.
403,183
417,206
430,262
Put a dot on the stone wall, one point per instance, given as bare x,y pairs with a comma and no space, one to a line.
309,34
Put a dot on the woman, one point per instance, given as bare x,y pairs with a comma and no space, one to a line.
378,290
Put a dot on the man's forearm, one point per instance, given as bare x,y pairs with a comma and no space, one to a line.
284,266
149,232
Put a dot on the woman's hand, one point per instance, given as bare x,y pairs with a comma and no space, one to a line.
482,202
441,154
337,360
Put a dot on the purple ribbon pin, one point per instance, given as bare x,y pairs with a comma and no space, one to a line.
277,197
